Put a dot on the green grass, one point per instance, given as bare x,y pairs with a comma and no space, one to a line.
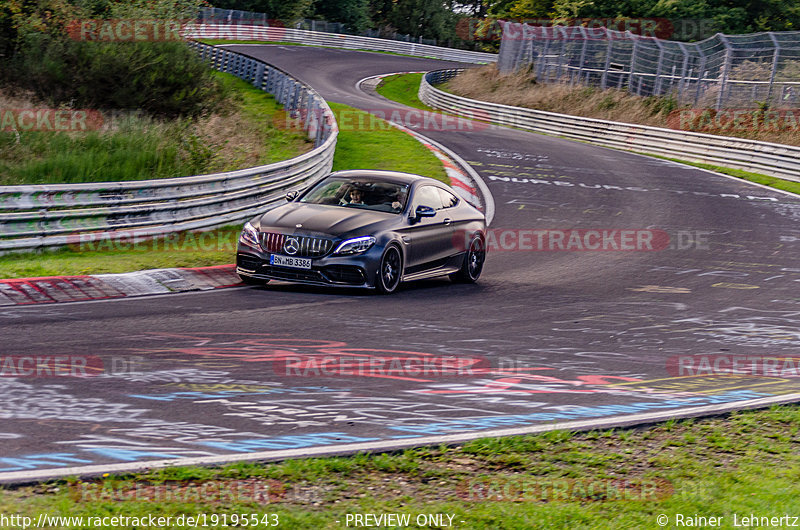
745,463
216,247
403,88
367,142
139,147
357,148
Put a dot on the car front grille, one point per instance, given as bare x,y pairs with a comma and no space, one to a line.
272,242
298,246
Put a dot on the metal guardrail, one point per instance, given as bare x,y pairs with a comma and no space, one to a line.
333,40
39,216
775,160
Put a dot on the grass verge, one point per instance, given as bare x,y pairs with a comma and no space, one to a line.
134,146
742,465
367,142
375,146
403,88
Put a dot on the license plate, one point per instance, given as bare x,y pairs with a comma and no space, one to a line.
288,261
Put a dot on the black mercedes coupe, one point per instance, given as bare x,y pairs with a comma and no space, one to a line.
365,228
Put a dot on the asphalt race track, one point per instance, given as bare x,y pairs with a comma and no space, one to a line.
574,338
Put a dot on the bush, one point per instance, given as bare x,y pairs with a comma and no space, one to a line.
160,78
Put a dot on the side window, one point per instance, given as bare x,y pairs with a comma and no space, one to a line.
448,199
428,196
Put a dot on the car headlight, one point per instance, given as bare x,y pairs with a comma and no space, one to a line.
355,245
249,236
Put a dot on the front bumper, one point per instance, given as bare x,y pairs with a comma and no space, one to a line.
356,271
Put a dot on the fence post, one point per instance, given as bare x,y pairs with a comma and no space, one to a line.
684,74
633,64
775,57
723,78
604,79
657,81
583,51
701,74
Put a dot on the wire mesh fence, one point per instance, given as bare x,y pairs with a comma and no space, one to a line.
723,71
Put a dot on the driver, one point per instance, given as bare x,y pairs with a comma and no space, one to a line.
399,200
356,197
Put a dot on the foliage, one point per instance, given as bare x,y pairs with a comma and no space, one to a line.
726,16
353,13
285,10
160,78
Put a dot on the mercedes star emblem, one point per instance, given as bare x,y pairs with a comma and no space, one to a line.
291,246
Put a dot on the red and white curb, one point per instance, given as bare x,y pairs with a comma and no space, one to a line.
463,178
50,290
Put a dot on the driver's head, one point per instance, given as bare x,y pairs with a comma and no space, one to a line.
356,195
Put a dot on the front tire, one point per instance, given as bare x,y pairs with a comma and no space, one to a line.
389,271
472,266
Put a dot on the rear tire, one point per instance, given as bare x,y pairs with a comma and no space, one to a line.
472,266
389,271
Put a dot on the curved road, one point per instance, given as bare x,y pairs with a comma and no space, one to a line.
546,338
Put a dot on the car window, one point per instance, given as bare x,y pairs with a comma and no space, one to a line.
448,199
428,196
362,192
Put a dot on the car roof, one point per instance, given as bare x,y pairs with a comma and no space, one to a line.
389,176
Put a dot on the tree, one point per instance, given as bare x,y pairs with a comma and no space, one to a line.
353,13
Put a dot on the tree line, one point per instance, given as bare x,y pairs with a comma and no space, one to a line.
445,20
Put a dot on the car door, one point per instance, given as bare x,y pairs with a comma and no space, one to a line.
431,237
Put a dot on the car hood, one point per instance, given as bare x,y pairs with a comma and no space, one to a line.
332,220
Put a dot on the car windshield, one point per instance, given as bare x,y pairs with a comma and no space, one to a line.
361,192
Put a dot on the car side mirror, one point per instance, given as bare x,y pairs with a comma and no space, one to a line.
292,195
424,211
